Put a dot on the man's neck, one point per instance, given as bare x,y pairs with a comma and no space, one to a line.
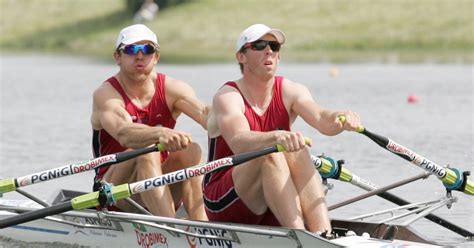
139,87
257,91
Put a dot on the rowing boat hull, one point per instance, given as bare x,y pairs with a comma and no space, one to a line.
132,235
135,230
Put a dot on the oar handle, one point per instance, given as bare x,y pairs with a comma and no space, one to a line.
342,119
307,141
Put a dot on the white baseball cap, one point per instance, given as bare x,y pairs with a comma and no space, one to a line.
255,32
135,33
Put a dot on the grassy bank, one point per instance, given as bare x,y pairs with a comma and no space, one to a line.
206,30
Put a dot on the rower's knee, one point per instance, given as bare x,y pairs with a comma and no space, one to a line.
147,161
274,161
301,155
195,150
191,155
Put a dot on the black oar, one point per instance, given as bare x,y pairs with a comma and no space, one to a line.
11,184
123,191
329,169
452,178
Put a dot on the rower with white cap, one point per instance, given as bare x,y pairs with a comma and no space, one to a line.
257,111
138,107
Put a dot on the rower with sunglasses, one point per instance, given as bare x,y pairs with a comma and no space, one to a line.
257,111
138,107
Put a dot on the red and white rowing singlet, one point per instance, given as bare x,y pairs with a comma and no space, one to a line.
221,200
156,113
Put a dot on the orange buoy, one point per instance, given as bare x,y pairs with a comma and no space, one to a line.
412,98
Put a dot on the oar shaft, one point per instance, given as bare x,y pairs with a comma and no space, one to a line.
377,191
126,190
406,154
450,177
11,184
198,170
37,214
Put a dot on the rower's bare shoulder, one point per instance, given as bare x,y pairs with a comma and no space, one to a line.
228,91
175,87
292,86
174,83
106,97
104,91
100,96
292,89
227,95
228,100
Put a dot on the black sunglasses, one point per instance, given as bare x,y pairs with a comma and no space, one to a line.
262,44
134,48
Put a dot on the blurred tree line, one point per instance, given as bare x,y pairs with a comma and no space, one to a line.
134,5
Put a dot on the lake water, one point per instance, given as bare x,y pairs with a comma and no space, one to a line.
46,106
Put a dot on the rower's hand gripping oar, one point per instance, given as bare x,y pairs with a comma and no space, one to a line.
11,184
452,178
111,194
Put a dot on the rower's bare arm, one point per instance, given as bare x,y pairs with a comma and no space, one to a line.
112,116
301,103
228,109
183,99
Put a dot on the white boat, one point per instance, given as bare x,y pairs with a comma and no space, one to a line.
119,229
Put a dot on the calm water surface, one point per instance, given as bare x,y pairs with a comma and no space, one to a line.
46,106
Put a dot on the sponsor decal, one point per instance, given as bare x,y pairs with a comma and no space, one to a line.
99,222
430,166
47,175
180,175
417,159
399,149
97,232
81,232
195,241
92,164
147,239
24,181
65,170
197,171
316,161
165,179
137,188
109,228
